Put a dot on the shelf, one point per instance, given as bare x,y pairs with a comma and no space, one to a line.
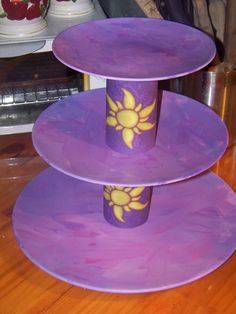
11,47
58,223
14,129
70,136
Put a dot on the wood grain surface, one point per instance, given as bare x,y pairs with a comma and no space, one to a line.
24,288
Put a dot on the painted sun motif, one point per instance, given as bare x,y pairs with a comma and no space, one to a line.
129,118
123,199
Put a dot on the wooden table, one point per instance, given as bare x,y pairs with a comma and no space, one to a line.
24,288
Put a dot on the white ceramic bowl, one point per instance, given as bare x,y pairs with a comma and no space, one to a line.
70,8
21,18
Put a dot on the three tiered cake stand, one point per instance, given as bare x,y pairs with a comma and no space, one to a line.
128,205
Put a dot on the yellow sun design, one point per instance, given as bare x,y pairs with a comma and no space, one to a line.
129,118
122,198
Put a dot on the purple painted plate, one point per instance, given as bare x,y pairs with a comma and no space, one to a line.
70,136
138,49
191,230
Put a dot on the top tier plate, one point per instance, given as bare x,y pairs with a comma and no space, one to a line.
137,49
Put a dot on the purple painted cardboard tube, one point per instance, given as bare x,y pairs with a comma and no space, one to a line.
132,114
126,207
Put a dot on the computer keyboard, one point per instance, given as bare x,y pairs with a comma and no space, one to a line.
22,105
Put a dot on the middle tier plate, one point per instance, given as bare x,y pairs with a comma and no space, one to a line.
70,136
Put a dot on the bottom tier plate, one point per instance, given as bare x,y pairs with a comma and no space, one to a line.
191,230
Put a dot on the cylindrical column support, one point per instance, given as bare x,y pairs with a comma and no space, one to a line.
131,116
126,207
